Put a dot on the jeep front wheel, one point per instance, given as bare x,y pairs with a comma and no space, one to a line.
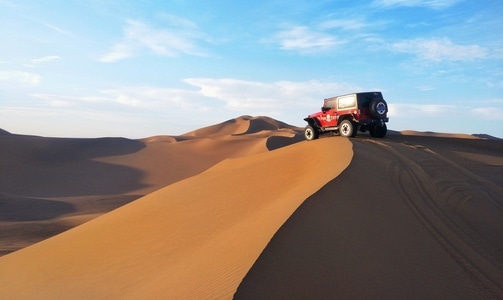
310,133
347,129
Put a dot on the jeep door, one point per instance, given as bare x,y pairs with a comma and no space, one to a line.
329,117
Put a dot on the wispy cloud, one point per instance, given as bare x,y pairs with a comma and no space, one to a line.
346,24
140,98
305,40
445,111
440,50
222,94
15,78
263,97
48,25
55,100
252,97
178,36
405,110
44,59
56,28
118,52
156,98
489,113
434,4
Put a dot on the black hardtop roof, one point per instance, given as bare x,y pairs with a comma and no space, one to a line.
357,94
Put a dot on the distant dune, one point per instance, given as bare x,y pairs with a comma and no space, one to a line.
89,177
4,132
247,209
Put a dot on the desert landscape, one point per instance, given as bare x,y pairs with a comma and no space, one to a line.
246,209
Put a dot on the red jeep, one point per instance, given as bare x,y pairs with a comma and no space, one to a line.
347,114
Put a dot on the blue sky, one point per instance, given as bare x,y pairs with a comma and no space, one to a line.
141,68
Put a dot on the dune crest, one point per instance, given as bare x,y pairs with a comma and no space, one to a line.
439,134
242,125
194,239
96,175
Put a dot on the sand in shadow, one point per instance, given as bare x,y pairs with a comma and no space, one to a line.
398,223
22,209
276,142
53,167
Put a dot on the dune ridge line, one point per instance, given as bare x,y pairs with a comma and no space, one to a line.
194,239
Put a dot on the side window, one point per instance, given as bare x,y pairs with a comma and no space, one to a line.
346,102
331,103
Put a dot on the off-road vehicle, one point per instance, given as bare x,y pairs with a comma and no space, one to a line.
346,115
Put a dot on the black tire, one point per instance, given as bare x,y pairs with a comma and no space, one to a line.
356,127
378,109
311,133
372,131
379,131
347,129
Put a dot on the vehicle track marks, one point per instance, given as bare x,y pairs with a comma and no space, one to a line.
454,205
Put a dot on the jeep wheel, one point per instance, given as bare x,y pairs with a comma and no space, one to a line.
378,131
347,129
310,133
378,108
372,131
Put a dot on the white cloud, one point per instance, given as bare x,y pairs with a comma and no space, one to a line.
19,78
434,4
305,40
156,98
489,113
55,100
56,28
425,88
445,112
34,62
48,25
180,36
420,110
44,59
119,52
346,24
439,50
271,98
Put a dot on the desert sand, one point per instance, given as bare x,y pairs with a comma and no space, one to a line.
412,217
246,209
49,185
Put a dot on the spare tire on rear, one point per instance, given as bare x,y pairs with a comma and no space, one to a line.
378,108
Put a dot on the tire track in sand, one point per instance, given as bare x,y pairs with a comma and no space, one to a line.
410,218
459,209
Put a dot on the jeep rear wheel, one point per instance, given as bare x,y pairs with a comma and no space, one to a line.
378,131
347,129
310,133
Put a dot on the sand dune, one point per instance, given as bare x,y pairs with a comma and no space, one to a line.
93,176
439,134
194,239
413,216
